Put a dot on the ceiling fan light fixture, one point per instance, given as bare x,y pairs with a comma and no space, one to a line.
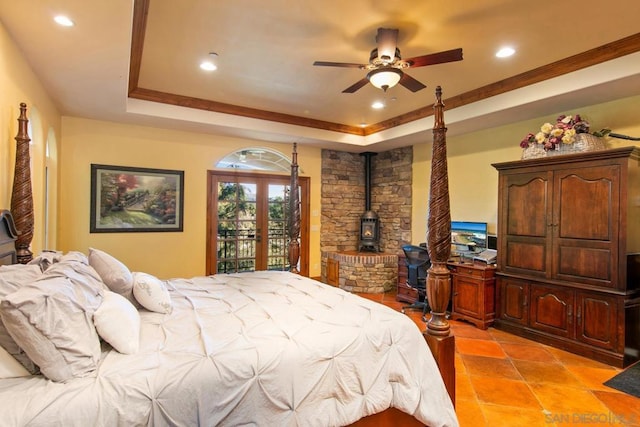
384,78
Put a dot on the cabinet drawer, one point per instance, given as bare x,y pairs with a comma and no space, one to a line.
402,270
472,270
406,293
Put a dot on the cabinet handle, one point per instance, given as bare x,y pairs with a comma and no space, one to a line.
570,313
579,316
525,302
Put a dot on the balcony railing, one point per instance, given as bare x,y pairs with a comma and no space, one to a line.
237,250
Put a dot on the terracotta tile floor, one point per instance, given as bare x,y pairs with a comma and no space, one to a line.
505,380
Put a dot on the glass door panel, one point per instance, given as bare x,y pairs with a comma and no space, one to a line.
277,247
236,235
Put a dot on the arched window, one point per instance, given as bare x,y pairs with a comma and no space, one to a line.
260,159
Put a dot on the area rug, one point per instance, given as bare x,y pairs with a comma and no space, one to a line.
627,381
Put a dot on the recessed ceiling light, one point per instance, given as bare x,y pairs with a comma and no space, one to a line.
64,21
505,52
208,66
377,105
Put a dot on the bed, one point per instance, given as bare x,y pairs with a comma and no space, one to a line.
260,348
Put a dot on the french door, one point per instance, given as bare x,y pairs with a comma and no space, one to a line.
247,216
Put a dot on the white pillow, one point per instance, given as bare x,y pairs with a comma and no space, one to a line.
51,320
118,323
151,293
114,273
10,367
12,278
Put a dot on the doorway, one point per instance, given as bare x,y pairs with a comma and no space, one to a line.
247,216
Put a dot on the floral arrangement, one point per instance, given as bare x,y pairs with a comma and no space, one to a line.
564,131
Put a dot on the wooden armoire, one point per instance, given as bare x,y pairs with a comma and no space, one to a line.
568,272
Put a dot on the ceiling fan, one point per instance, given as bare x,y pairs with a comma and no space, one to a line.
385,64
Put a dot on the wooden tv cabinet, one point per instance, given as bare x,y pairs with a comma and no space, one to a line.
569,252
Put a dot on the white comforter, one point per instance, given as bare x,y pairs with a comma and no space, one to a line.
258,349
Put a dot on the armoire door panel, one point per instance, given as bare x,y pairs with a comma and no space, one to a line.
552,310
584,264
514,300
585,206
586,212
527,206
529,255
597,320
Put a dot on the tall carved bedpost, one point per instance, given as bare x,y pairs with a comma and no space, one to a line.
22,196
294,214
439,246
439,227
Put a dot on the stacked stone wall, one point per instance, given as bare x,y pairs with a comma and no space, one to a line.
391,197
343,198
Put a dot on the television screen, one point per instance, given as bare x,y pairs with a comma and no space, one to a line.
468,238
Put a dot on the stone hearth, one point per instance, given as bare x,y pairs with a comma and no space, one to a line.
355,271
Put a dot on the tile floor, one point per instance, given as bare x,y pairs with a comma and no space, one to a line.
505,380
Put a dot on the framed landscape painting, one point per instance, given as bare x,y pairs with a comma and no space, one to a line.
130,199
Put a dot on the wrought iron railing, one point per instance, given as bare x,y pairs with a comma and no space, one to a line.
237,250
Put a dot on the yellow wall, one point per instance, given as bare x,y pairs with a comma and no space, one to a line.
473,182
75,143
164,254
18,84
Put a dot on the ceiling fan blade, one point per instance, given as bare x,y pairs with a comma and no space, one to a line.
435,58
338,64
387,40
354,87
410,83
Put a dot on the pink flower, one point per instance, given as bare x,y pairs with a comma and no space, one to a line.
563,131
529,139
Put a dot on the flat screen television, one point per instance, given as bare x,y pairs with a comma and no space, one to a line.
468,238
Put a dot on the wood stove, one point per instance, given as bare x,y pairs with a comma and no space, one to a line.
369,221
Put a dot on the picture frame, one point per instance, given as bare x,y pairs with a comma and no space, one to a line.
131,199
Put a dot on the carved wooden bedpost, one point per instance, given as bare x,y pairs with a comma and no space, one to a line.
22,196
439,246
294,214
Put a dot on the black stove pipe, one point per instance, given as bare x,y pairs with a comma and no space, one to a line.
367,179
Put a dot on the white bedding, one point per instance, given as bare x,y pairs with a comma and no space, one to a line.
263,349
